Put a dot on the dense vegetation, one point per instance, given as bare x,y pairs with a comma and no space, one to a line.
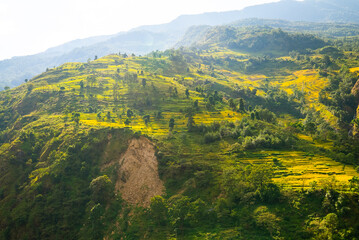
249,145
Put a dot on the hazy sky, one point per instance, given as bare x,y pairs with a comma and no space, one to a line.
32,26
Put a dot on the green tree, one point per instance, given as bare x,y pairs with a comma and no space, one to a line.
179,213
93,228
76,117
30,87
129,113
190,123
232,104
252,115
196,105
159,210
146,119
241,105
171,124
127,121
99,116
261,175
329,225
310,127
159,115
102,189
144,82
267,220
187,93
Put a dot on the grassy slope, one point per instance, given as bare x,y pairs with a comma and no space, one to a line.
54,95
60,89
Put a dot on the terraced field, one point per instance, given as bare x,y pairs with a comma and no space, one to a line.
297,169
294,169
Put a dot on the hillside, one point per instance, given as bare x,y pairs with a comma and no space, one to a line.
195,143
262,40
145,39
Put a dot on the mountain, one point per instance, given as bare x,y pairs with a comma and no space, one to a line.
145,39
266,41
208,142
307,10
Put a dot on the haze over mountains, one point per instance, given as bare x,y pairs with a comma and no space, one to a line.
145,39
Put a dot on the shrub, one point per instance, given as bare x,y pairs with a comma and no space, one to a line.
212,137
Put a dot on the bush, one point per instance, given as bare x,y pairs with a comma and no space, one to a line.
212,137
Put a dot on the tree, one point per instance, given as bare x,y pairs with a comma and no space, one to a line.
30,87
232,104
93,228
252,115
102,189
159,115
129,113
241,105
187,93
26,80
256,114
310,127
144,82
329,224
146,119
261,175
95,57
196,105
158,210
211,100
127,121
175,91
108,116
99,116
267,220
190,123
6,88
76,117
171,124
179,212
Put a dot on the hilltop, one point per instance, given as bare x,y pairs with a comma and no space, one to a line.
239,143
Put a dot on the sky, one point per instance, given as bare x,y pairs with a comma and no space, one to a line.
32,26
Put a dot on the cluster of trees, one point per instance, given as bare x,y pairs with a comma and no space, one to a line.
251,132
338,95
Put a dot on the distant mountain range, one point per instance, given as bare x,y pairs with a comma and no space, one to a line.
145,39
